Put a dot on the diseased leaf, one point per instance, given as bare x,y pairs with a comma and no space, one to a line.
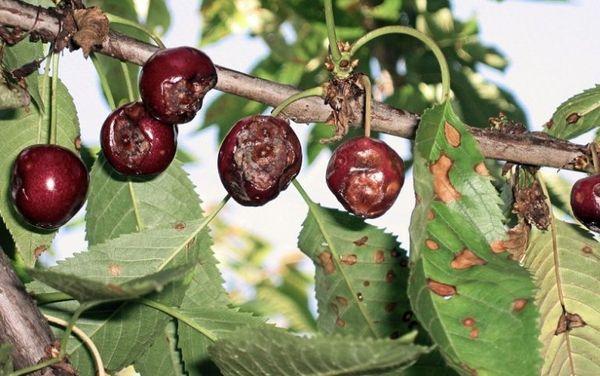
361,274
577,115
90,289
162,358
12,96
566,264
22,128
462,292
274,351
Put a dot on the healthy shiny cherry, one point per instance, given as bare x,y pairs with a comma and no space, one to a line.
174,81
258,158
135,143
585,202
49,184
366,176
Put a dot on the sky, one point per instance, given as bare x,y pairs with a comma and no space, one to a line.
552,47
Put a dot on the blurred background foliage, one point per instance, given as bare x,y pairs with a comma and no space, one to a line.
405,74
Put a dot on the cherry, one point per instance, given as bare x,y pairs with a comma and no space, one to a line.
49,184
585,202
366,176
174,81
135,143
258,158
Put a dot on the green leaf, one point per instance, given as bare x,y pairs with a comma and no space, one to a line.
576,116
162,358
567,276
22,128
215,322
159,18
23,53
463,293
432,364
361,274
94,290
275,352
121,205
6,365
123,332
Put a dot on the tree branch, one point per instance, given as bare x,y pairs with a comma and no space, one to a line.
530,148
21,323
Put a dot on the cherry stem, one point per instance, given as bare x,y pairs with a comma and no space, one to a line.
302,192
364,79
128,83
85,339
439,55
112,18
333,41
46,105
595,159
314,92
103,82
54,99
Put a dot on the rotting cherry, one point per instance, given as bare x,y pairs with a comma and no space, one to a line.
49,185
366,176
135,143
585,202
174,81
258,158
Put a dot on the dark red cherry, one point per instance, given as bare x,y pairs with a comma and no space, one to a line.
258,159
174,81
585,202
48,185
135,143
366,176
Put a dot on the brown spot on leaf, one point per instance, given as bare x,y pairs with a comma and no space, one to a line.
395,335
37,252
404,262
441,289
569,321
340,322
77,142
92,27
516,244
587,250
390,276
519,304
114,270
442,186
468,322
326,261
481,169
474,333
452,135
466,259
390,307
418,198
470,370
349,259
341,300
430,215
115,288
407,316
379,257
549,124
573,118
366,283
179,226
359,296
362,241
395,253
432,245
